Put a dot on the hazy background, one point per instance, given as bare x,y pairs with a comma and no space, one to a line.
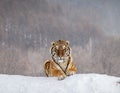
27,28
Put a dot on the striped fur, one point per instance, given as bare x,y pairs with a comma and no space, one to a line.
61,64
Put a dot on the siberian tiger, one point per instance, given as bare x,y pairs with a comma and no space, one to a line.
61,64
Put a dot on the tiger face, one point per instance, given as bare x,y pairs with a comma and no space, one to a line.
60,51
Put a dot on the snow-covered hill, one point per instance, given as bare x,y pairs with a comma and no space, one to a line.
79,83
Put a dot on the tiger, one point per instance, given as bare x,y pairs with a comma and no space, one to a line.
61,63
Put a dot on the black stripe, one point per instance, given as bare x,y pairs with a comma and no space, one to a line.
67,64
61,67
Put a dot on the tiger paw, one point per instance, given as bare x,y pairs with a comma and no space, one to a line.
61,77
71,73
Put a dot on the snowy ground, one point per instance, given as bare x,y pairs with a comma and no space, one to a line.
79,83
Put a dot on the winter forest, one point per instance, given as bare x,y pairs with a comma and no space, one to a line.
27,28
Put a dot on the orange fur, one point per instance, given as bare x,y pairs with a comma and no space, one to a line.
60,70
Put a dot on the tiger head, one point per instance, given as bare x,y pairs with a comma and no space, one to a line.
60,51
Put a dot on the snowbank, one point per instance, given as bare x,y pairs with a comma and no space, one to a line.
80,83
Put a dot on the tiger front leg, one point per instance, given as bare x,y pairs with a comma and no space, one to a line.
61,77
71,73
71,70
58,73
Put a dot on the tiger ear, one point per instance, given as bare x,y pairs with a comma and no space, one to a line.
53,43
67,42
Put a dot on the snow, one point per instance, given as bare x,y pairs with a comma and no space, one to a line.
79,83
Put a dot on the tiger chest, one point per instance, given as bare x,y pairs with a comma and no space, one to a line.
63,65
